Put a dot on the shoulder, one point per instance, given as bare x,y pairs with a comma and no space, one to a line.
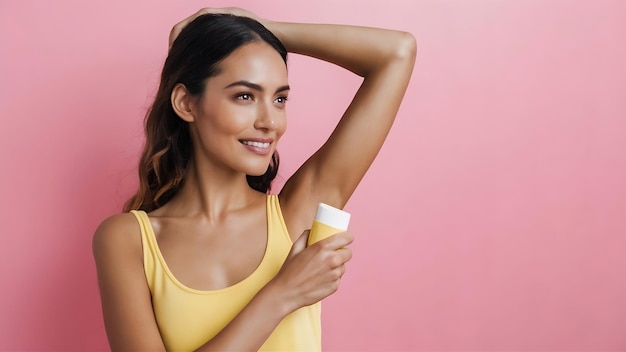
117,235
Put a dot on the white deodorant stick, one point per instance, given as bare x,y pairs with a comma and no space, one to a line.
328,221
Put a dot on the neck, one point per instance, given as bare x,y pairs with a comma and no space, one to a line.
212,194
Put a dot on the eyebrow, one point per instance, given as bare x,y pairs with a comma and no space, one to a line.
255,86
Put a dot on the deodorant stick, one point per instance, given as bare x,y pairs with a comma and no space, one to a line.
328,221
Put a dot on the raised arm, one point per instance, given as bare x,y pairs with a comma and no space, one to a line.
385,59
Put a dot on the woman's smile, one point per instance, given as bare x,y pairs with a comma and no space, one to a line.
258,146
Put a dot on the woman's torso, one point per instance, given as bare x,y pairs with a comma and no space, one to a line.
188,317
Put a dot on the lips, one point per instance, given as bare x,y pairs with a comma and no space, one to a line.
263,145
257,145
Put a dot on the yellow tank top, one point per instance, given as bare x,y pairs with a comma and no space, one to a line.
188,318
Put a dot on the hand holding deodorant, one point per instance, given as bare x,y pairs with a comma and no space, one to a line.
328,221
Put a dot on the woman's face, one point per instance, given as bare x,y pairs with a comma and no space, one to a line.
241,114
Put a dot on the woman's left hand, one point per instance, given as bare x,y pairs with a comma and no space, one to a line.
178,27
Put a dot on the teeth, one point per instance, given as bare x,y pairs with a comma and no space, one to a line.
256,144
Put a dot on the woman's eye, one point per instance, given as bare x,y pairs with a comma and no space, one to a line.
244,96
281,100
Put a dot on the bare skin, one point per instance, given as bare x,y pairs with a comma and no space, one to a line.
216,216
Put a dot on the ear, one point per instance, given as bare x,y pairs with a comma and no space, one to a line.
182,102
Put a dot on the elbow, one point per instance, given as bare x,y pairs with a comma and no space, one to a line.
398,52
406,49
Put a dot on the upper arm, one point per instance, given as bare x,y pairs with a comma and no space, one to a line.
333,172
126,300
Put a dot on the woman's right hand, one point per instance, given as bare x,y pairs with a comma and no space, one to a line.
178,27
312,273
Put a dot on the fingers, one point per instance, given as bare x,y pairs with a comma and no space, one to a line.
338,258
345,254
312,273
336,241
337,273
178,27
208,10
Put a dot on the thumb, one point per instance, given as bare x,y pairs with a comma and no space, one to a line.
300,244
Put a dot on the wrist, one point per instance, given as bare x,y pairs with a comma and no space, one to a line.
274,296
277,28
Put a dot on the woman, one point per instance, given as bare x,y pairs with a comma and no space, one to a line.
216,263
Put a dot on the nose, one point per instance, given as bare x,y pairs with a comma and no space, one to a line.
266,118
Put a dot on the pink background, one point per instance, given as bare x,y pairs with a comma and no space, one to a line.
493,219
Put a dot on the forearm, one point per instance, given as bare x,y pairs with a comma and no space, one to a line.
252,326
385,58
361,50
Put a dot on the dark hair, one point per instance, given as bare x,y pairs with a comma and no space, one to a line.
194,56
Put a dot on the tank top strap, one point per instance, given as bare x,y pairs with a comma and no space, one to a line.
149,245
275,220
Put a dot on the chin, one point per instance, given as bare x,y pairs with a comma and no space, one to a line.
257,170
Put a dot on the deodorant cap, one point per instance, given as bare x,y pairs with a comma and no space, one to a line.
332,216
